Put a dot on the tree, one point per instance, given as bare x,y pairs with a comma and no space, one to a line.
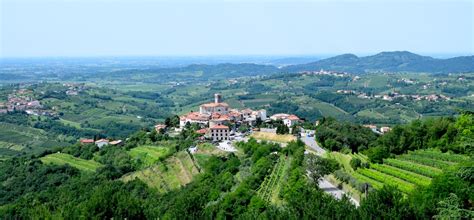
172,121
377,154
282,129
318,167
295,129
386,203
355,163
449,208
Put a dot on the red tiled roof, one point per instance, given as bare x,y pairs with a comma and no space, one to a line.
220,127
213,104
219,116
87,141
102,140
195,116
202,131
293,117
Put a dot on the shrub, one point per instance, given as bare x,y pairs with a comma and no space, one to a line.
355,163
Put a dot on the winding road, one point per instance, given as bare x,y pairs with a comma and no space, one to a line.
324,184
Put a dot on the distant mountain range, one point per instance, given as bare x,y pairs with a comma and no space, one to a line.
397,61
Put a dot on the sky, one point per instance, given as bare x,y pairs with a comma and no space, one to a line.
42,28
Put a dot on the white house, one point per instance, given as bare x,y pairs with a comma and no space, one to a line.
101,142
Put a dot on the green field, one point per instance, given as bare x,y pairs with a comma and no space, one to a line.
62,158
148,155
174,172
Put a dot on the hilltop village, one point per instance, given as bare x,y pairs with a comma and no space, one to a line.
219,122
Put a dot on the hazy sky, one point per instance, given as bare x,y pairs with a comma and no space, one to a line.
211,27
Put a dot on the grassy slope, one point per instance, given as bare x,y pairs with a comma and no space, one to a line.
273,137
148,154
62,158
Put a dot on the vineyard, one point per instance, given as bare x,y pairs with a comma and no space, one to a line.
408,170
269,190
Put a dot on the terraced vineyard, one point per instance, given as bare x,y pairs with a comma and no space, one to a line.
408,170
174,172
269,190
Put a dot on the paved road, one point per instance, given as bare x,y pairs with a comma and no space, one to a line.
311,142
324,184
327,187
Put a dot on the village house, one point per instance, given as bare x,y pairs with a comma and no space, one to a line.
101,142
384,129
288,120
372,127
220,133
159,127
194,117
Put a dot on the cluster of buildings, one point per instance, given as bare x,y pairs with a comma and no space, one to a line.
395,95
74,88
22,101
325,72
381,130
102,142
215,118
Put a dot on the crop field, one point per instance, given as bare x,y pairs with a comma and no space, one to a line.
147,154
270,188
408,170
15,139
266,136
61,159
327,109
174,172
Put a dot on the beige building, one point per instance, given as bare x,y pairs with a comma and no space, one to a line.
220,133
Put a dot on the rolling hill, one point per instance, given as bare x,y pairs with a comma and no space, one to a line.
397,61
